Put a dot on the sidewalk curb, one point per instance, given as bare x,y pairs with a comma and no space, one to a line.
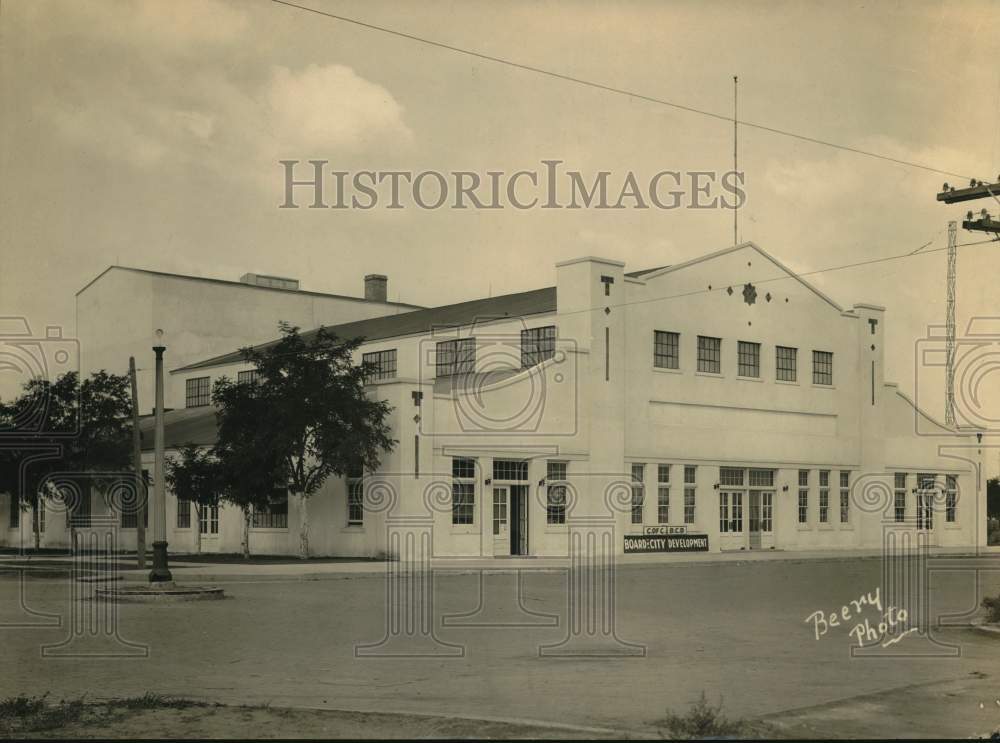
249,573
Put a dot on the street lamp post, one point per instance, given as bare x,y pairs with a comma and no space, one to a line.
160,572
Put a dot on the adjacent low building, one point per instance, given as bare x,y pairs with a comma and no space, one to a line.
723,403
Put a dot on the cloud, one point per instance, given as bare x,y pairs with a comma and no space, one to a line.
330,106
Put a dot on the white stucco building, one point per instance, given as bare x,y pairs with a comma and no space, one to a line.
684,402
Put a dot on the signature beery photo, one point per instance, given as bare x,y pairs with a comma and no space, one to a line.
480,370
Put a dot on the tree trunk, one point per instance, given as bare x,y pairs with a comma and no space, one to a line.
36,524
304,528
246,534
197,527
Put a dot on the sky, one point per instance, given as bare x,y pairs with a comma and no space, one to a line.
149,134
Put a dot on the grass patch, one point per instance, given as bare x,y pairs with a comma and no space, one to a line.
992,606
149,700
29,714
702,720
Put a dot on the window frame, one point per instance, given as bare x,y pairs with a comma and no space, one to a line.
822,368
454,357
463,491
666,349
384,364
690,492
748,359
899,497
824,496
663,493
803,501
537,345
845,496
268,518
194,395
556,472
709,354
638,492
790,365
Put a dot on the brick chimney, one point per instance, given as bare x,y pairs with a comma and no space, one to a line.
376,287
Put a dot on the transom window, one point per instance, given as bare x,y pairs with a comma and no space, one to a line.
456,356
748,359
666,349
761,478
537,345
709,354
731,476
510,469
381,365
822,367
197,393
785,363
555,506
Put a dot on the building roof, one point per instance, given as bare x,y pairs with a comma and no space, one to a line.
521,304
180,427
240,284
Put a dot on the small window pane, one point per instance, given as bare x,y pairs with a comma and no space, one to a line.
666,349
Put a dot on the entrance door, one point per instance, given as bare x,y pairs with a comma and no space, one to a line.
501,534
519,520
208,519
753,517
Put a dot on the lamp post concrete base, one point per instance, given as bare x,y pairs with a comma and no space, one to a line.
160,572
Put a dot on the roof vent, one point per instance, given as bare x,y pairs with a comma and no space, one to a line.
271,282
376,287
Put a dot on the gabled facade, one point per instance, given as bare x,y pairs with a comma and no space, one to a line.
724,402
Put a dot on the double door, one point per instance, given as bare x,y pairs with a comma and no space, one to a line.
510,520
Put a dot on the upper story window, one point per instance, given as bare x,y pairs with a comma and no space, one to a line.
510,469
786,363
822,367
248,377
197,393
748,359
709,354
666,349
456,356
537,345
382,365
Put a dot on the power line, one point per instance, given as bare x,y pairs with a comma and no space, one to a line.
829,269
609,88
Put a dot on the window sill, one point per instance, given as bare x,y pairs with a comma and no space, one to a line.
266,529
713,375
804,527
823,386
847,527
787,382
825,527
667,370
464,529
749,379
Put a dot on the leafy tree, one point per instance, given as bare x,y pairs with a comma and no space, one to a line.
85,426
305,419
195,476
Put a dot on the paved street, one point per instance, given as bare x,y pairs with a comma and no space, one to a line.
720,628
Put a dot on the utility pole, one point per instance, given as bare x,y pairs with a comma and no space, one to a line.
949,384
736,212
141,494
160,572
951,195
